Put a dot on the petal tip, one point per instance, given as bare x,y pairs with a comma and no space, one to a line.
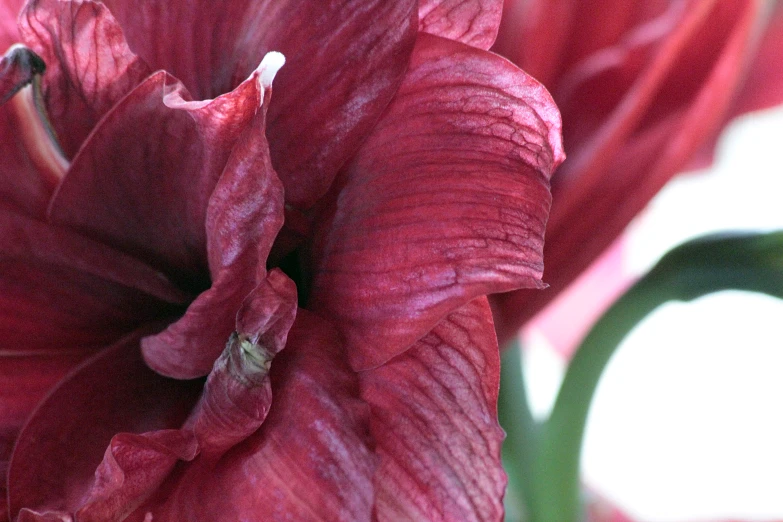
267,69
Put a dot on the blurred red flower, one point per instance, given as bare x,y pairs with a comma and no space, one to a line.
644,89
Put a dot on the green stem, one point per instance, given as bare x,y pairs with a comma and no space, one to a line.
706,265
521,434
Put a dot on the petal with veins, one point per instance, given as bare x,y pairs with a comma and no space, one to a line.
446,201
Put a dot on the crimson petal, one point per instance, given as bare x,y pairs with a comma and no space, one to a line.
63,442
244,215
468,21
310,459
61,291
345,61
142,180
446,201
89,64
434,419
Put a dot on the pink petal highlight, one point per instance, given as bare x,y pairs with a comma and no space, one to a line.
468,21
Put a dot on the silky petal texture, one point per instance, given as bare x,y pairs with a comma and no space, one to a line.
674,92
151,198
344,60
309,461
237,395
61,291
244,216
474,22
89,65
57,453
434,420
446,201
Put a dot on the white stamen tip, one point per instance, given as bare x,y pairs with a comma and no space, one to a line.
268,68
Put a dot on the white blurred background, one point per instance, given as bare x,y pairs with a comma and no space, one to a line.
687,422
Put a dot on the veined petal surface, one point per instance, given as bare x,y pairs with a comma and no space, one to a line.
446,201
434,420
474,22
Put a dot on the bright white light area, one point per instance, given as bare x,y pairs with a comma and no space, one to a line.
687,423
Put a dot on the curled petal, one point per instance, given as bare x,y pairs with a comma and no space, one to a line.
434,420
244,215
237,394
468,21
142,180
446,201
345,62
310,460
90,67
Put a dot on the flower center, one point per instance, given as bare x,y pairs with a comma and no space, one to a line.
21,82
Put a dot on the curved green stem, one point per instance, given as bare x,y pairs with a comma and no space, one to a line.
752,262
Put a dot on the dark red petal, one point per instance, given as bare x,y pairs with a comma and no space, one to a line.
89,64
244,216
434,419
345,61
61,291
142,180
665,98
468,21
26,380
57,453
309,461
446,201
237,395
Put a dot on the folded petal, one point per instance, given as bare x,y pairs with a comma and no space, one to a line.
446,201
89,64
142,180
345,61
467,21
309,461
62,291
434,420
244,215
54,462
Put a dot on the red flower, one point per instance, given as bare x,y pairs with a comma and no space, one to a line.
408,169
644,89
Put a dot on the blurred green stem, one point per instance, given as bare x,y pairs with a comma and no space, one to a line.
543,459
